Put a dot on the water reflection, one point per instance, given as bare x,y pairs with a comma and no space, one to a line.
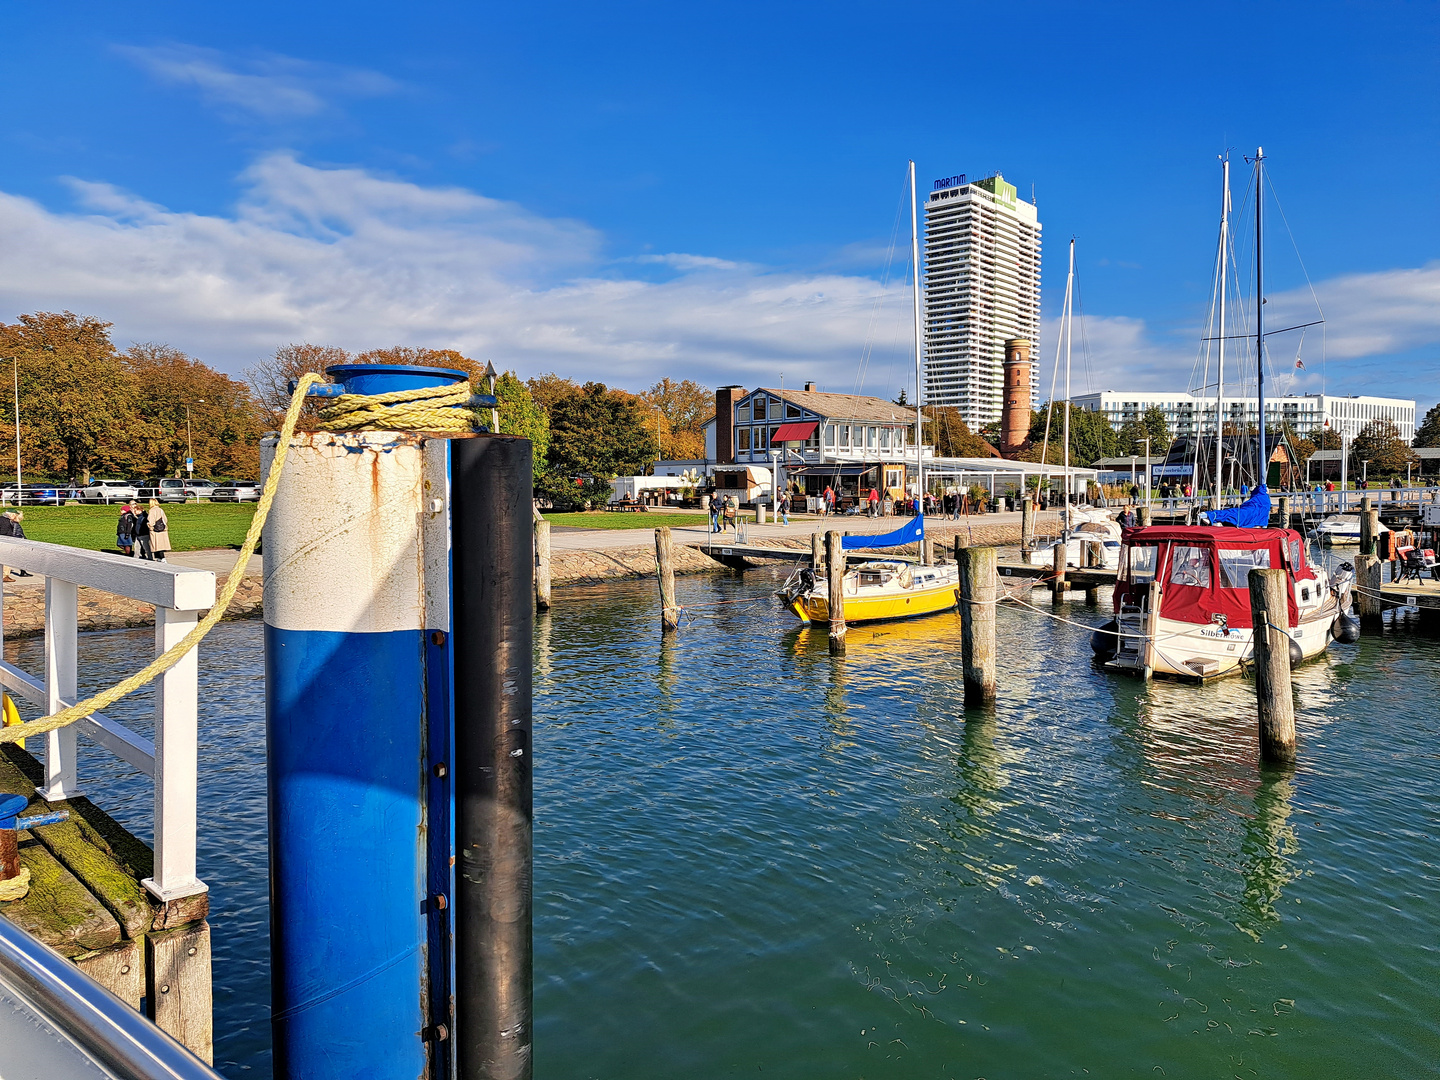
1269,853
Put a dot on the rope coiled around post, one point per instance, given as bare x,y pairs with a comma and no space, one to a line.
426,408
173,655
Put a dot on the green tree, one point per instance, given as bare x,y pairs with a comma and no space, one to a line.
75,397
549,388
520,415
1380,444
1151,424
1091,436
600,432
1428,433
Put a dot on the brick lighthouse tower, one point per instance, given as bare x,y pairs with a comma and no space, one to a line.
1015,406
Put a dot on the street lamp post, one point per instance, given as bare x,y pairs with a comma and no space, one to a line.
190,446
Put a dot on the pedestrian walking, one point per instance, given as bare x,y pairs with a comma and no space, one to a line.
159,531
125,529
715,513
785,509
732,514
874,500
829,499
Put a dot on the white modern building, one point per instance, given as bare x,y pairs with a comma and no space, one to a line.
982,287
1308,414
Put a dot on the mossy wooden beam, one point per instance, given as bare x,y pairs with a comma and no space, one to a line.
83,851
59,910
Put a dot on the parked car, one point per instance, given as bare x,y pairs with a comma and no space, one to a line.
166,488
235,491
199,488
109,491
36,495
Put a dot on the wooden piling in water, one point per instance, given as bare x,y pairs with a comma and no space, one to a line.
835,591
817,551
1369,532
665,557
1027,523
1057,564
977,622
1269,608
1367,590
1142,515
1284,503
542,566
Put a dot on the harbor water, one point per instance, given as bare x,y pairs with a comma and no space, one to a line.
753,858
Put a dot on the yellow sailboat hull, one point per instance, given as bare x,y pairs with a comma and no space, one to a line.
863,609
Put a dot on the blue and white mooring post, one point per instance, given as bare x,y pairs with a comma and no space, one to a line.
398,627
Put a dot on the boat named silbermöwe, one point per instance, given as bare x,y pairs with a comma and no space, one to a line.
1182,600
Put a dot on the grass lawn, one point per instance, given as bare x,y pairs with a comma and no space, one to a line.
192,525
607,519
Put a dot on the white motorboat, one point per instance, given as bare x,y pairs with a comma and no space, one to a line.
1339,530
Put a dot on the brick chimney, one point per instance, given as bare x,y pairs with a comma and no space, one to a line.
1015,409
725,399
810,387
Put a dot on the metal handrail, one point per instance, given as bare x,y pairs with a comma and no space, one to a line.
82,1014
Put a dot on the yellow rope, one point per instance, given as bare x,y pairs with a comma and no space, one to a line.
426,408
173,655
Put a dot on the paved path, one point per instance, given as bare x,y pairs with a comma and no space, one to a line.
798,529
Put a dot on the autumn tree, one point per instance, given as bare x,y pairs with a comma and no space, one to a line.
684,408
270,379
549,388
951,436
181,405
75,396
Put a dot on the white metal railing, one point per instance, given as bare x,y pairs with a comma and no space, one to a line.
179,594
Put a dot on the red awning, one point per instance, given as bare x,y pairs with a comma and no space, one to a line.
795,432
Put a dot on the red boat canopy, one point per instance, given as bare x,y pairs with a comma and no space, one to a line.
1204,572
795,432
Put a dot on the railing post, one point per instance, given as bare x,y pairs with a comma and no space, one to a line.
177,702
61,613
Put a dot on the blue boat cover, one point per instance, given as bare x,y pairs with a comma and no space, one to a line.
908,533
1253,513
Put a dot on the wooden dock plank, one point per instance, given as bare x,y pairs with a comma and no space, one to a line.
1423,594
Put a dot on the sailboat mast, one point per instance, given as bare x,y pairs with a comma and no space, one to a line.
1069,335
1264,462
915,267
1220,376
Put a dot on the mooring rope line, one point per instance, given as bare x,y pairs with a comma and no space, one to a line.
418,410
425,408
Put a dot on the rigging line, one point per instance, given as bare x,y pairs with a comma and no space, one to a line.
868,347
1054,377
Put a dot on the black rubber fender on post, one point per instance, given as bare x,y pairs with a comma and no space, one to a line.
1297,654
1345,629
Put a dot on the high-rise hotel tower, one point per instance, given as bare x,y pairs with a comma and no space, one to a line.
982,287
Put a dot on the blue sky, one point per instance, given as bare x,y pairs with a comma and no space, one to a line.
634,190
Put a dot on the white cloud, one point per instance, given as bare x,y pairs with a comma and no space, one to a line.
346,257
270,86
